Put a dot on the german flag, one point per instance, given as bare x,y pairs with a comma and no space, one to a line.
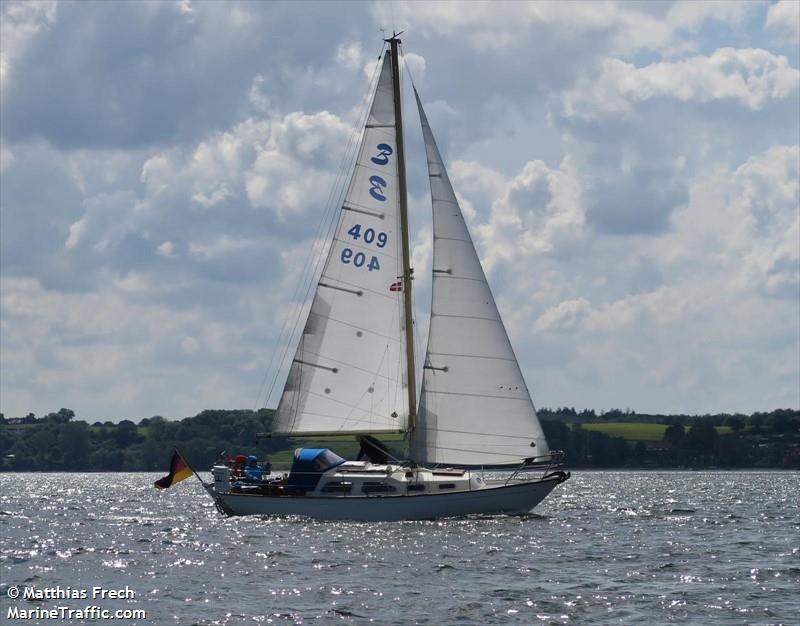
178,470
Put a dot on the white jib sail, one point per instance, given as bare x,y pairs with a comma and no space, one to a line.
348,372
475,408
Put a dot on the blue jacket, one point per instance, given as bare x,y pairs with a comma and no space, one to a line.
253,472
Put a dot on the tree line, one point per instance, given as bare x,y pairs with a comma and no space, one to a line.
762,439
59,442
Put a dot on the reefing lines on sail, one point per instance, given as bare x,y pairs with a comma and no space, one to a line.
347,374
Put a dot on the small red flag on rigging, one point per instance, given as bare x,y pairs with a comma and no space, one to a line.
398,286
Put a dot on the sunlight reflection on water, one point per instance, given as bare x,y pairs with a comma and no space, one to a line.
606,547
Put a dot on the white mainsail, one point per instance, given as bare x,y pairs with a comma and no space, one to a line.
475,408
348,373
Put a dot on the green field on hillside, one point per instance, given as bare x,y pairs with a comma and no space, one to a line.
639,431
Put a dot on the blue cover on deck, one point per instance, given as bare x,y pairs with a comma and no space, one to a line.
308,466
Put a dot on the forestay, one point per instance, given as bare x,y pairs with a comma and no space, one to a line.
348,372
475,408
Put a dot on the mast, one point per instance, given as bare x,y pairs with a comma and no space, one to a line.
407,271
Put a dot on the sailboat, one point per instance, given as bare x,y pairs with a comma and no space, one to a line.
353,371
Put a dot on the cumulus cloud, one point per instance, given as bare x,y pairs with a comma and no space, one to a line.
564,316
674,307
628,171
751,77
125,75
20,23
540,210
166,248
747,219
639,134
783,20
106,220
663,306
350,54
86,346
494,26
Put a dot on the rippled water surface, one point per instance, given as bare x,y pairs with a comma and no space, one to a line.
605,547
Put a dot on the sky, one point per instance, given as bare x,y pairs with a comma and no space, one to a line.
629,171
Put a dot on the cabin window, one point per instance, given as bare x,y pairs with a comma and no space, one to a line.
377,488
447,486
337,487
416,487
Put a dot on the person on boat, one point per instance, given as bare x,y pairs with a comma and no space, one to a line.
252,471
237,467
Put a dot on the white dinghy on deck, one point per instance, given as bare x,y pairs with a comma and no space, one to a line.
353,369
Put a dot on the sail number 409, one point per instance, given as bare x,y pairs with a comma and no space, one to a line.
359,259
370,237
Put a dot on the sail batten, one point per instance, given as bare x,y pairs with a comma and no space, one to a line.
348,372
465,394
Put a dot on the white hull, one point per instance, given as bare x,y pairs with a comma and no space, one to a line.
514,498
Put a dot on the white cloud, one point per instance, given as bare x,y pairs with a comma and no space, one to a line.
691,15
747,221
86,346
665,305
728,207
6,157
751,77
166,249
76,230
156,172
499,26
564,316
350,54
688,314
219,246
20,22
775,270
257,98
783,20
478,181
106,221
416,65
628,170
207,200
274,181
185,6
540,211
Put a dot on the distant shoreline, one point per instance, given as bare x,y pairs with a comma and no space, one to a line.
612,440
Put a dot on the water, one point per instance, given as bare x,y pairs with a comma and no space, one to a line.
604,548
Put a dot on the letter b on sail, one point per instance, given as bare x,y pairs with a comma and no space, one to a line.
382,158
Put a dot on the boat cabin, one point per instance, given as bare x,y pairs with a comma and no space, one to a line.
323,473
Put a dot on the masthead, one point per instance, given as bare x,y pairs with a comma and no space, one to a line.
395,37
